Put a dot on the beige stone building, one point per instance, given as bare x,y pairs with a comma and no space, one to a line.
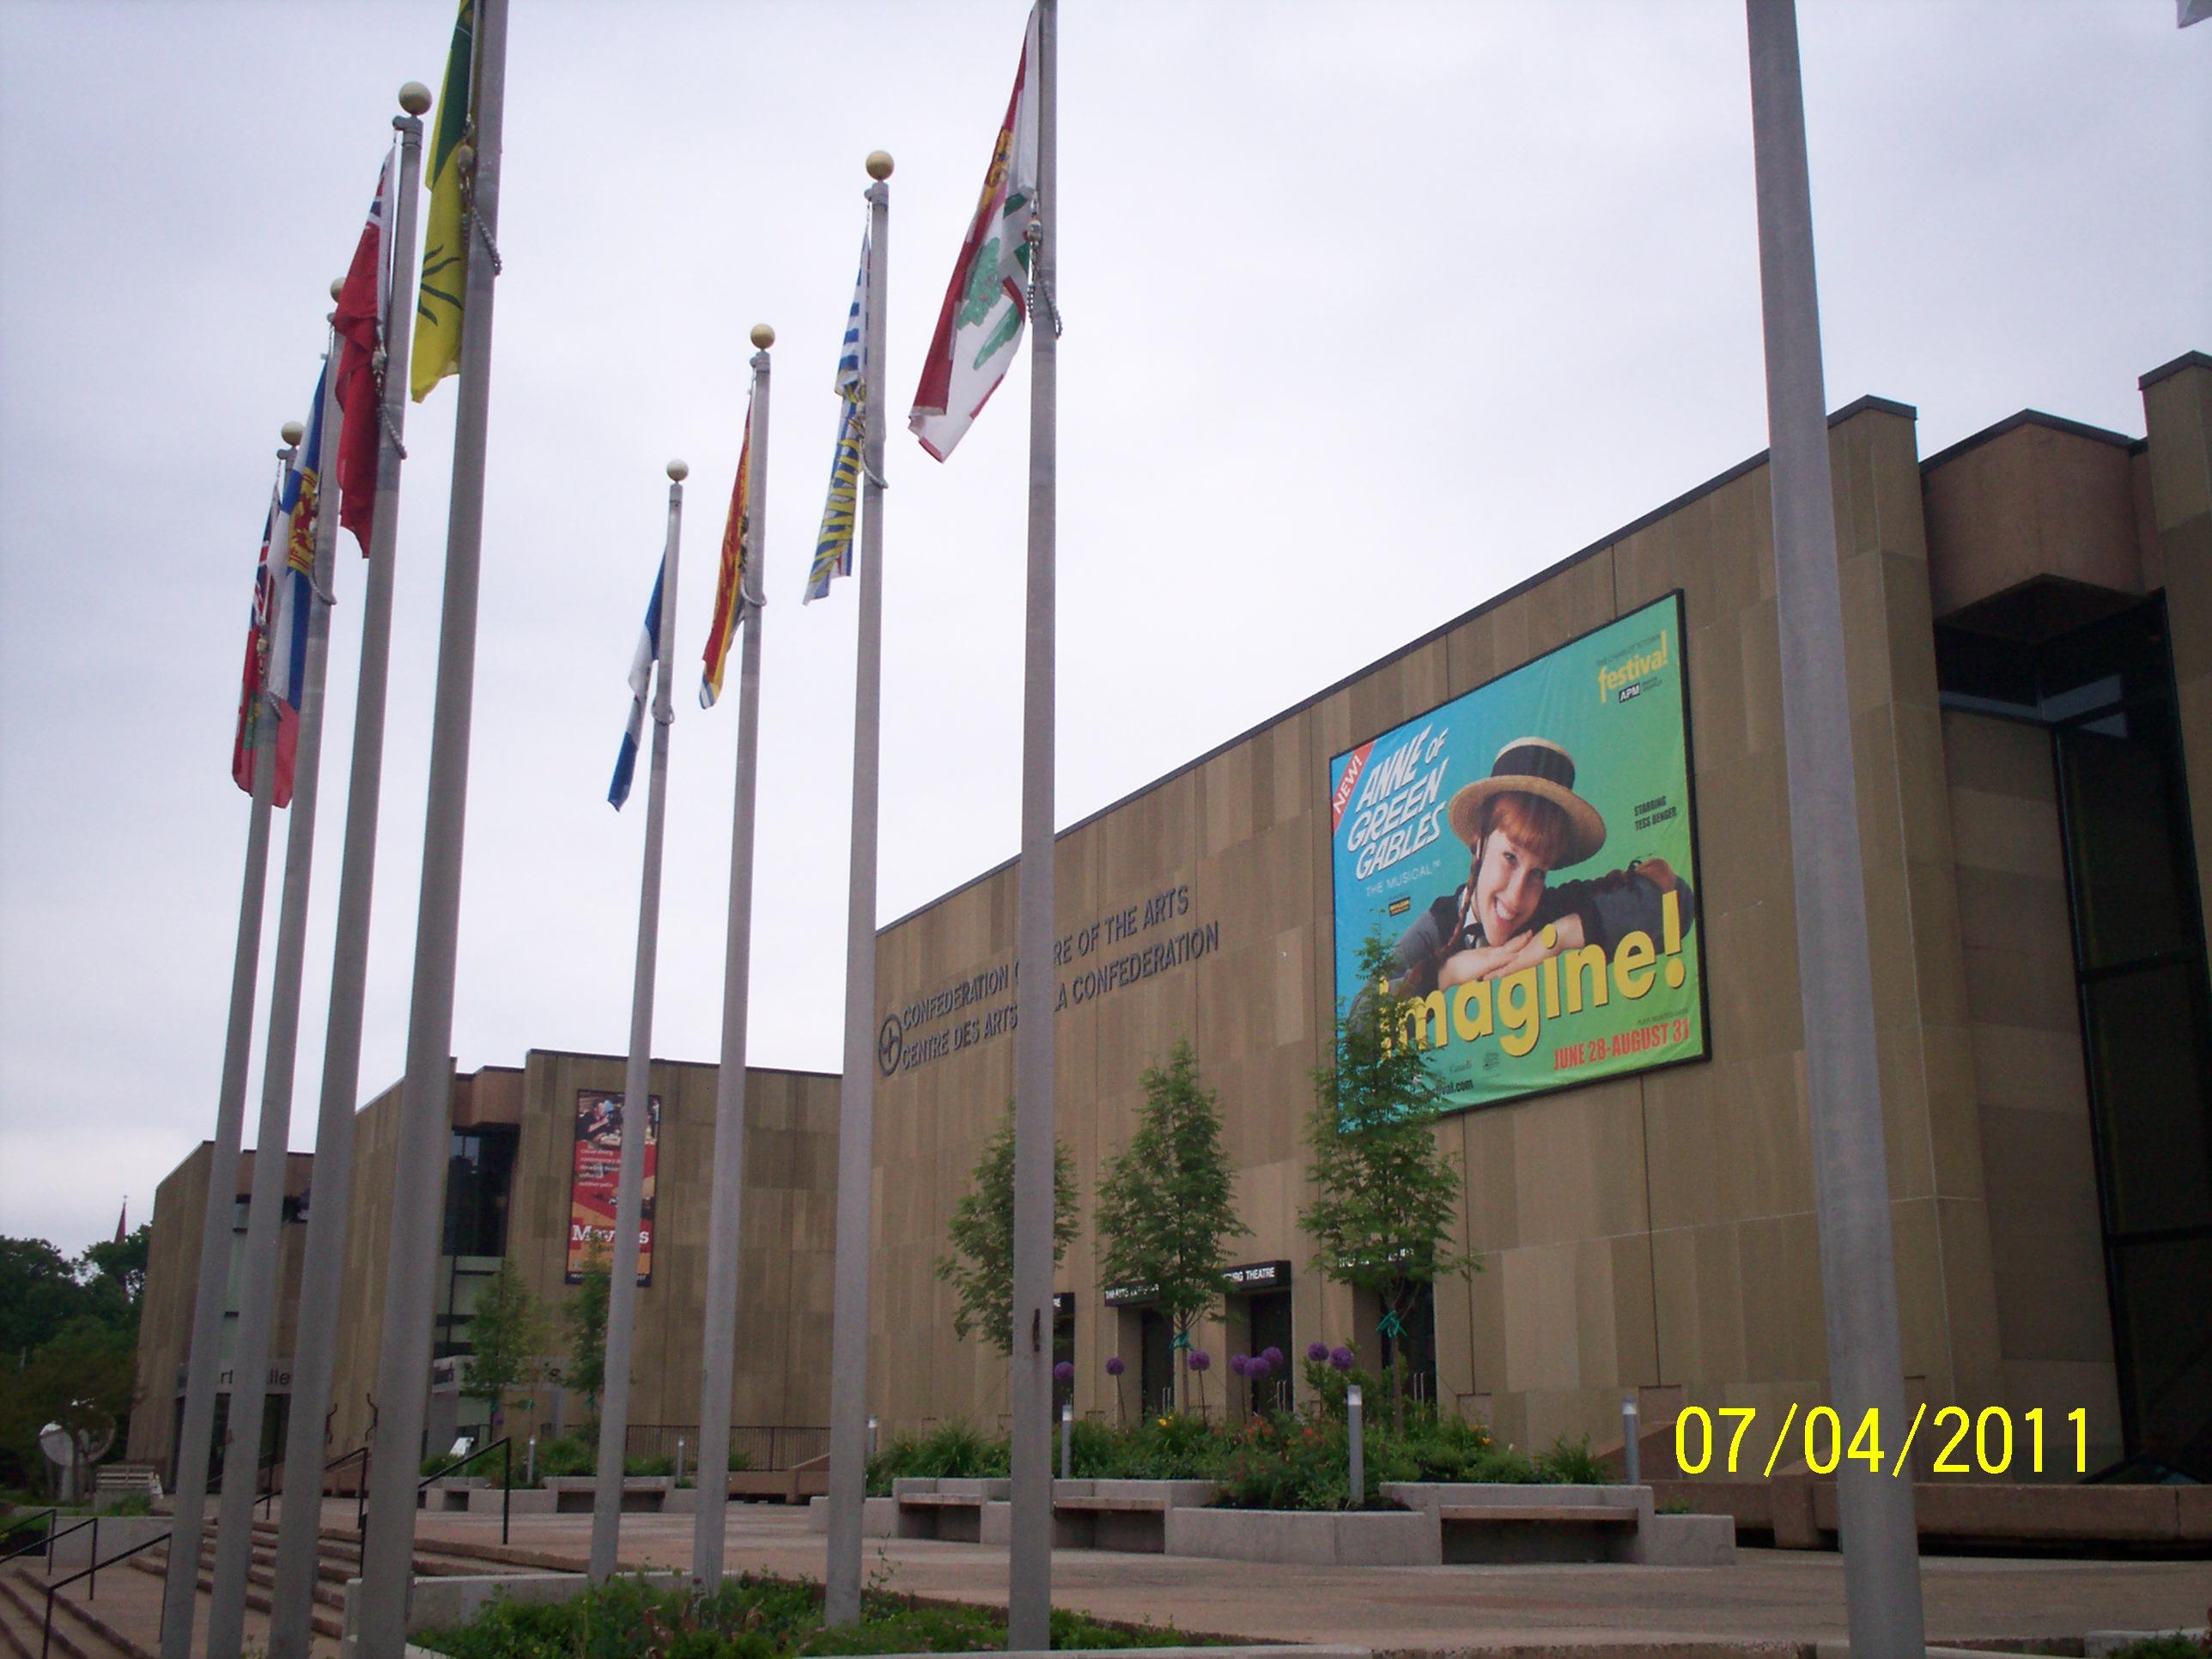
508,1194
2028,630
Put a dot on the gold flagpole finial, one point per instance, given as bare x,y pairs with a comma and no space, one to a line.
879,165
415,97
678,470
291,431
762,335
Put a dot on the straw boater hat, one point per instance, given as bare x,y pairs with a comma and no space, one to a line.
1533,766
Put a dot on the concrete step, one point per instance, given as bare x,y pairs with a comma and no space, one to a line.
79,1631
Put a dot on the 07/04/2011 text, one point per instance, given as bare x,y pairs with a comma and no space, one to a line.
1970,1443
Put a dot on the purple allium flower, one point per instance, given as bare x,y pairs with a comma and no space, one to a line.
1273,1355
1115,1367
1318,1352
1238,1363
1064,1372
1257,1368
1342,1358
1199,1359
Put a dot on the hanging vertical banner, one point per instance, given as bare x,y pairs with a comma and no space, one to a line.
1527,854
594,1178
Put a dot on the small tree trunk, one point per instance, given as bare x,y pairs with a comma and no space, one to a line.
1398,1373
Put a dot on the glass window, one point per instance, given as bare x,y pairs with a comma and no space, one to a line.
2132,896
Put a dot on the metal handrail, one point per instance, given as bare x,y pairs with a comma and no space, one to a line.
360,1487
46,1641
505,1447
52,1537
268,1466
51,1514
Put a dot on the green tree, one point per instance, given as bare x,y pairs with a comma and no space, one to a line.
1386,1195
508,1335
1165,1208
119,1267
39,1293
83,1378
980,1266
586,1318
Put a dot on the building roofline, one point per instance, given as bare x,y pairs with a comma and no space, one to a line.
1719,480
659,1059
2166,371
2029,418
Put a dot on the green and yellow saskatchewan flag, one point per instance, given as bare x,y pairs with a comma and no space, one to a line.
445,242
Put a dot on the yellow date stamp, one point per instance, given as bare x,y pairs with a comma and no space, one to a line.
1966,1443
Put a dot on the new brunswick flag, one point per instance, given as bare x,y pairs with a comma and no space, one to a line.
980,325
729,581
445,239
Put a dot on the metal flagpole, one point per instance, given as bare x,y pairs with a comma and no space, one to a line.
314,1345
1029,1558
1858,1275
402,1372
719,1340
180,1588
257,1296
637,1079
856,1095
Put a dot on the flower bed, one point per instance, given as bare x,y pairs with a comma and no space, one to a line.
1281,1461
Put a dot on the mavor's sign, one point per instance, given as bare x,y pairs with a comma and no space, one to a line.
1527,854
594,1178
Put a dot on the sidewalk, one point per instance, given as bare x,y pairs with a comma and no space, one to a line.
1774,1595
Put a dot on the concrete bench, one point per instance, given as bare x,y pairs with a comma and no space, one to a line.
1134,1523
645,1494
1488,1522
1573,1515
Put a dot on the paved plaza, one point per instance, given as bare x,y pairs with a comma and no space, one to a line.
1782,1595
1771,1602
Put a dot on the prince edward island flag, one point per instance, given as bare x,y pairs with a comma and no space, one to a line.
980,325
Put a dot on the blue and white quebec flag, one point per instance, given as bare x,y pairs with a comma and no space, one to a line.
640,683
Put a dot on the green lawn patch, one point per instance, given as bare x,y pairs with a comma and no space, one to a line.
759,1616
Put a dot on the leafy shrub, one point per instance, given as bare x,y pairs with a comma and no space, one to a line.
950,1451
1326,1386
570,1453
1570,1463
2165,1647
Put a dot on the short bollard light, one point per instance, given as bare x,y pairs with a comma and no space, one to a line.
1632,1454
1067,1440
529,1463
871,1437
1356,1434
679,1460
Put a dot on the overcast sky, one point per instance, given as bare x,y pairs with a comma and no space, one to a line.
1371,310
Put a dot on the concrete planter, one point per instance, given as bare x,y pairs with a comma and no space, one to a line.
527,1500
118,1532
1369,1538
452,1492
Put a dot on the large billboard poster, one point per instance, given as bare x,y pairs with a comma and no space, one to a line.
594,1177
1526,854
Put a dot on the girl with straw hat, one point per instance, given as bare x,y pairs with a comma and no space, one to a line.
1520,823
